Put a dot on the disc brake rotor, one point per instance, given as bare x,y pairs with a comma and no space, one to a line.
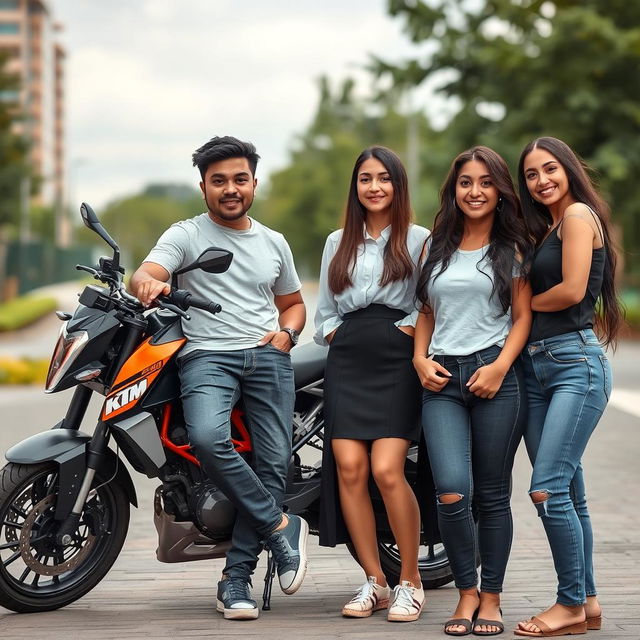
33,562
13,516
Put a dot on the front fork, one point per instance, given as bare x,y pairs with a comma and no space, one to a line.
77,408
96,449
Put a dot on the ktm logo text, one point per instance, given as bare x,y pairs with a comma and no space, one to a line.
125,397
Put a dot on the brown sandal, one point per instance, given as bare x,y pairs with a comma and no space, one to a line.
594,623
547,632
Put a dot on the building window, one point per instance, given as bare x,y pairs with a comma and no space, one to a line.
9,5
9,28
9,96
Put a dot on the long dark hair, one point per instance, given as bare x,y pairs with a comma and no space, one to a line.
397,261
508,233
609,318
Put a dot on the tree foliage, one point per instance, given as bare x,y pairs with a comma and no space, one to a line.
306,200
519,69
13,151
136,222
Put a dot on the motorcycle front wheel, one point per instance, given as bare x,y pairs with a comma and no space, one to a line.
433,564
36,573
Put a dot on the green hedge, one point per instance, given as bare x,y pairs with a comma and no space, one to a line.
633,317
23,311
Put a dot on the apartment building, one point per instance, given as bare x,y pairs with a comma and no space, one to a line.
28,39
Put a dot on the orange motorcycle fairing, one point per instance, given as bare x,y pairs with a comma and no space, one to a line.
137,375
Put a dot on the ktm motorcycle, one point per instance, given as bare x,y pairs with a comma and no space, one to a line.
65,495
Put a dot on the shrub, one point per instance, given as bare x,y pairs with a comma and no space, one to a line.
23,311
23,371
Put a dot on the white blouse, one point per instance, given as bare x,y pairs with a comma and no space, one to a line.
366,275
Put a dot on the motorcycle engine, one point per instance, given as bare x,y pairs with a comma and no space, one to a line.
214,514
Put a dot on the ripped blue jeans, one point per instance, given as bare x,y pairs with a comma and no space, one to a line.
568,380
472,443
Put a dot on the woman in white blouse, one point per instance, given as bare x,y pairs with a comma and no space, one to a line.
366,313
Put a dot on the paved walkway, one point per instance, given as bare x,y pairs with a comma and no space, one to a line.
141,598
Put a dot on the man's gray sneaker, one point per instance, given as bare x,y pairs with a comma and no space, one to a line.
289,549
234,599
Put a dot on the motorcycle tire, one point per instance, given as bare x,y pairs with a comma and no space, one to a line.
433,564
36,574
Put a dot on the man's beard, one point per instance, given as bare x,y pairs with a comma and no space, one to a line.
229,217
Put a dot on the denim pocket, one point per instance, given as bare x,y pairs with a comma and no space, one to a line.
606,370
566,353
489,357
272,347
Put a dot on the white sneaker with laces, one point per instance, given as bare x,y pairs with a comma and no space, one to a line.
406,603
369,598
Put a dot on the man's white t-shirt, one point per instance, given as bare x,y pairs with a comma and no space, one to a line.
262,267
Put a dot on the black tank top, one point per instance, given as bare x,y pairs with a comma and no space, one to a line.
546,272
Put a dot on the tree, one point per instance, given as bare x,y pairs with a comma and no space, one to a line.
520,69
306,199
13,166
136,222
13,150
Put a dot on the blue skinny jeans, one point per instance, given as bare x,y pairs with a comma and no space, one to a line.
472,443
568,380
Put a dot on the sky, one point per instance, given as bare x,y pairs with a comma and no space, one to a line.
148,81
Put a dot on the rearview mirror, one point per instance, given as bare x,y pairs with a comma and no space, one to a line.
211,260
91,221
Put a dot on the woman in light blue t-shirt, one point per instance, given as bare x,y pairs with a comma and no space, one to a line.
474,322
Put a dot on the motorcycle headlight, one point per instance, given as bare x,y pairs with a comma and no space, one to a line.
67,348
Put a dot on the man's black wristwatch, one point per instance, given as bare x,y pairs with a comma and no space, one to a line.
293,335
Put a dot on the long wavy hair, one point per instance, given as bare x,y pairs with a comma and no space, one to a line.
397,261
508,233
610,315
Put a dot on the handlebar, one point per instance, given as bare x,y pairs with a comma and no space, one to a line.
185,299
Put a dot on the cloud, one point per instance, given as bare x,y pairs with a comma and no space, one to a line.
150,81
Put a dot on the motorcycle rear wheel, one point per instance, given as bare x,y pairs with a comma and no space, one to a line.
36,574
433,564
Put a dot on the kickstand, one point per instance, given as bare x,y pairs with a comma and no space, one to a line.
268,582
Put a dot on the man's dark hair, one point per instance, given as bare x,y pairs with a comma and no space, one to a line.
223,148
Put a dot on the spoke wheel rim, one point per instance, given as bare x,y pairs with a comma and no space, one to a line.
41,572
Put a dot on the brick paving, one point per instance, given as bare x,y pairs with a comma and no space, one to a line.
141,598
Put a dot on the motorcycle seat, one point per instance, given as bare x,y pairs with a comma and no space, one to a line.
308,362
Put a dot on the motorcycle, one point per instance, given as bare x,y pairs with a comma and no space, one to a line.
65,496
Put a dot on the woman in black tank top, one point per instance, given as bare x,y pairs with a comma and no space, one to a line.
567,374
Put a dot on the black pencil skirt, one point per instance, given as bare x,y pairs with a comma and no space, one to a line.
371,391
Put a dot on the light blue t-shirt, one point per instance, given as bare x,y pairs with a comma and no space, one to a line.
262,268
467,317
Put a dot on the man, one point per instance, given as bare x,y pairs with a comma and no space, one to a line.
244,351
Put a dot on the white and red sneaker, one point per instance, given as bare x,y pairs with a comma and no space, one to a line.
369,598
406,604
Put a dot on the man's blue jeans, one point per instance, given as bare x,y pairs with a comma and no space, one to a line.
212,382
568,381
472,443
